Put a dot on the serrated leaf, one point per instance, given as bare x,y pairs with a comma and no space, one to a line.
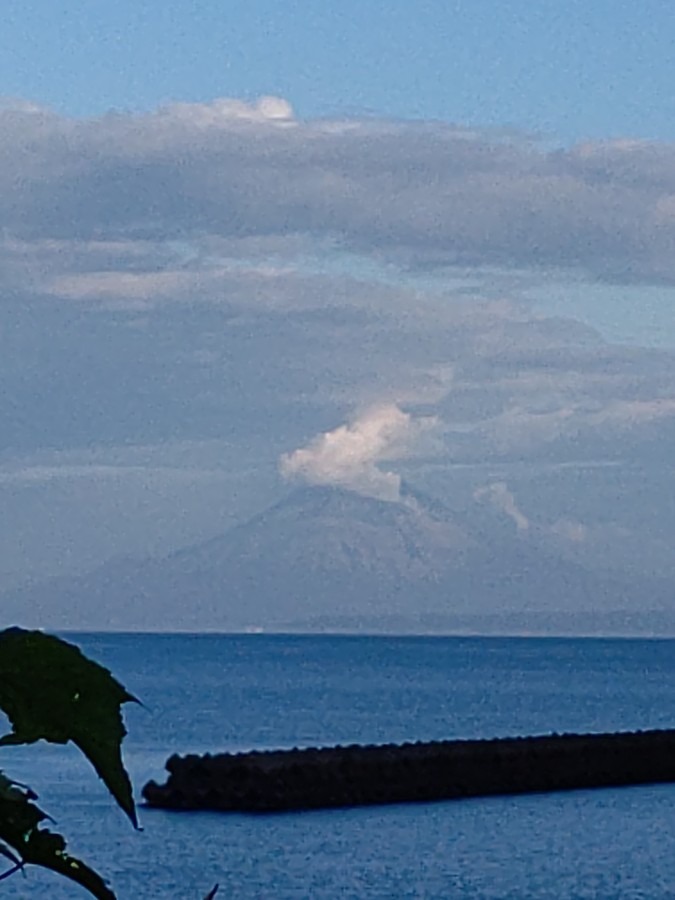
50,691
20,821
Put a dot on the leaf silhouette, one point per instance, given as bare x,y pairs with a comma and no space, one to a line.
50,691
17,862
20,819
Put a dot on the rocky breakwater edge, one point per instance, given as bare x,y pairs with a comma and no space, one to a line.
362,775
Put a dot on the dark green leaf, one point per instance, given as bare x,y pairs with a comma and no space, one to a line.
50,691
20,821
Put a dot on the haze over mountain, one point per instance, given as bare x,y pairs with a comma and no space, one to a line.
328,558
199,296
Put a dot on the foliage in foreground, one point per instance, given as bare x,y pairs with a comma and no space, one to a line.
50,691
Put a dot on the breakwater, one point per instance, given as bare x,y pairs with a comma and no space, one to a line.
356,775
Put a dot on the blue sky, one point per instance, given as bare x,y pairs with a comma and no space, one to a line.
570,70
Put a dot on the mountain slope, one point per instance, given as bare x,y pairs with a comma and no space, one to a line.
323,556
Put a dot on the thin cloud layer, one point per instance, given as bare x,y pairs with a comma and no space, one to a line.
416,193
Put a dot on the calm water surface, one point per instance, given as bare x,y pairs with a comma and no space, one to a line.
218,693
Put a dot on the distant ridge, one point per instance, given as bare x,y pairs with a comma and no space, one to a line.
327,559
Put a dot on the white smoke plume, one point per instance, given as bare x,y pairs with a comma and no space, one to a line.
350,455
498,494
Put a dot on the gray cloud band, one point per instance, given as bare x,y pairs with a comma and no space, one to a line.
421,194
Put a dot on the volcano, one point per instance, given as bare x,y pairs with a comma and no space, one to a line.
331,559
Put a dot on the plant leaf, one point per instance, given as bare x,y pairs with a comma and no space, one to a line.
20,819
50,691
7,853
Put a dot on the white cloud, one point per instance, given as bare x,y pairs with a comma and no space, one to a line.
350,455
225,111
498,494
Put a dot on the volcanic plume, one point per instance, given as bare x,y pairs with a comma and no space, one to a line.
351,455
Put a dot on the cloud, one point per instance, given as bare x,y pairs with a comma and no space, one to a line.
45,474
349,456
498,494
277,355
412,193
229,272
571,531
518,429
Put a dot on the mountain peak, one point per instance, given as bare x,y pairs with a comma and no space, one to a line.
322,553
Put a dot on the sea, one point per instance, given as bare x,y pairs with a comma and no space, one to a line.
239,692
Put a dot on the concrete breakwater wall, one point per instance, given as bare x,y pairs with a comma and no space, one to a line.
279,780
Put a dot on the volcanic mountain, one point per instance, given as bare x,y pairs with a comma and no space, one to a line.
324,559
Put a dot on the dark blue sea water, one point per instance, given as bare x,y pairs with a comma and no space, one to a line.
238,692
